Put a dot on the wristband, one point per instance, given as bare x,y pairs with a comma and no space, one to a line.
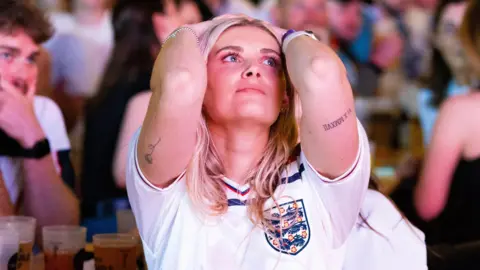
289,32
289,36
39,150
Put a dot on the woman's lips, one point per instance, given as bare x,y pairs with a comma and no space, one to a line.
250,90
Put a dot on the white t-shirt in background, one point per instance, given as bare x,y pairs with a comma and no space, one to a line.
62,22
80,54
318,216
51,120
262,11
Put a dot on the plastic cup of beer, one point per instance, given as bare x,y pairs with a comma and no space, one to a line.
25,228
115,251
9,243
61,244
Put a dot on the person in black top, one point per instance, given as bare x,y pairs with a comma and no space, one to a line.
139,26
36,175
447,195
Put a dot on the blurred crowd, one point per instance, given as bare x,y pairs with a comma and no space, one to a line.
86,76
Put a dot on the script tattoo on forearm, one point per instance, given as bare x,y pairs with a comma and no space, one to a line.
148,157
338,122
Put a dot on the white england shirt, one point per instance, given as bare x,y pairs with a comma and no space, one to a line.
51,120
391,242
317,213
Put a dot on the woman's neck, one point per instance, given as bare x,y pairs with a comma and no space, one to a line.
239,149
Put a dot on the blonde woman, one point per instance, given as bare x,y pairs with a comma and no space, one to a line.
213,176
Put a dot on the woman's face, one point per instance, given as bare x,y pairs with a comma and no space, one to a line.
448,42
245,78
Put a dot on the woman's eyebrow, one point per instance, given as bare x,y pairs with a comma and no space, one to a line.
230,48
266,50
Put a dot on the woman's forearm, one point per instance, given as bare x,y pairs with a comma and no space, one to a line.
178,84
180,54
329,128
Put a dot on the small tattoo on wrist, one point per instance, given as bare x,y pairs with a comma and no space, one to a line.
338,121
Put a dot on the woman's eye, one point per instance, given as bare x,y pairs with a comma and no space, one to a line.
271,62
32,60
231,58
6,56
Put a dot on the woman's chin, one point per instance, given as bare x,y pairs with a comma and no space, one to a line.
256,116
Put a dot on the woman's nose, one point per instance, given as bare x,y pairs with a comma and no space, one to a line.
252,71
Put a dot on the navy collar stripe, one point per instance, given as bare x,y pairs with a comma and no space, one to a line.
294,177
236,202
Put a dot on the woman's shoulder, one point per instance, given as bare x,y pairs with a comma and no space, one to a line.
460,105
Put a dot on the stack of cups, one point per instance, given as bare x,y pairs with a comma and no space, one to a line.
24,227
9,243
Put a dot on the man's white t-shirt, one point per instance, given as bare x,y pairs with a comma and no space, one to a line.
80,54
388,241
317,213
62,22
51,120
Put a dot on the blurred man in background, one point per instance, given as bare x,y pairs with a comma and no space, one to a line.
34,152
79,55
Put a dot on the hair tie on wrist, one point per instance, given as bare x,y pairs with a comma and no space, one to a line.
286,34
291,34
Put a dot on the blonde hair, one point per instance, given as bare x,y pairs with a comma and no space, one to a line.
205,171
470,35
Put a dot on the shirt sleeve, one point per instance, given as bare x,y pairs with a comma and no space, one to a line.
51,120
342,196
155,209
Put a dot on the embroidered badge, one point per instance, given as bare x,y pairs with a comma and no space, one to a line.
289,232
